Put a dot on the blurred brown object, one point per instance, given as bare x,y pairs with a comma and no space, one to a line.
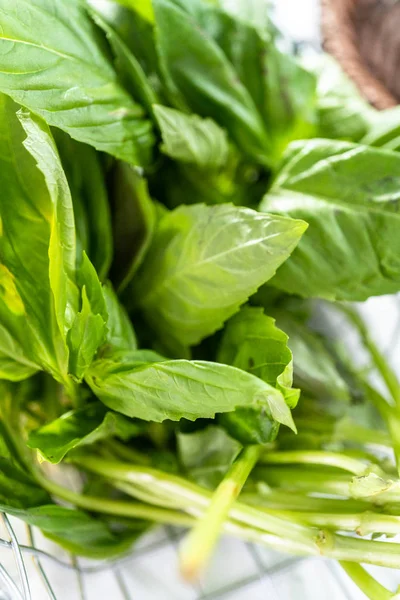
364,36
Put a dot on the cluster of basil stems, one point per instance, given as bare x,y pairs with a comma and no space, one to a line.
293,495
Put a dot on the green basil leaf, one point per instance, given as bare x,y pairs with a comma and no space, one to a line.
315,370
128,67
204,262
86,181
252,342
343,114
38,251
134,29
120,332
37,245
202,76
88,330
384,130
289,99
14,366
60,70
134,217
174,389
79,428
75,530
17,488
349,195
283,92
191,139
251,425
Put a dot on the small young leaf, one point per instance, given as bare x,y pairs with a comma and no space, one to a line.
79,428
191,139
280,411
253,342
204,262
369,484
88,330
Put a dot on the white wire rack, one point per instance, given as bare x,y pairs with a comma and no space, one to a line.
239,571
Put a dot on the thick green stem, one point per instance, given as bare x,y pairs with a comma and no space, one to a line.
133,510
306,481
193,498
331,459
361,523
306,539
200,542
281,500
367,584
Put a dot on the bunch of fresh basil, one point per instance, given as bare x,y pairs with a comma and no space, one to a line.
174,191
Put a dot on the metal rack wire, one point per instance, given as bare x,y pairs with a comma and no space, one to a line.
259,582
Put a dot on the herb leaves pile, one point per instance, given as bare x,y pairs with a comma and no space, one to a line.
179,199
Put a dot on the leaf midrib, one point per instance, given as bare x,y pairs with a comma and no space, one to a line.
190,268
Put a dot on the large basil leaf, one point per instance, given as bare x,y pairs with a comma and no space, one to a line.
86,181
253,342
38,251
174,389
37,246
191,139
204,262
349,195
60,69
79,428
202,76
